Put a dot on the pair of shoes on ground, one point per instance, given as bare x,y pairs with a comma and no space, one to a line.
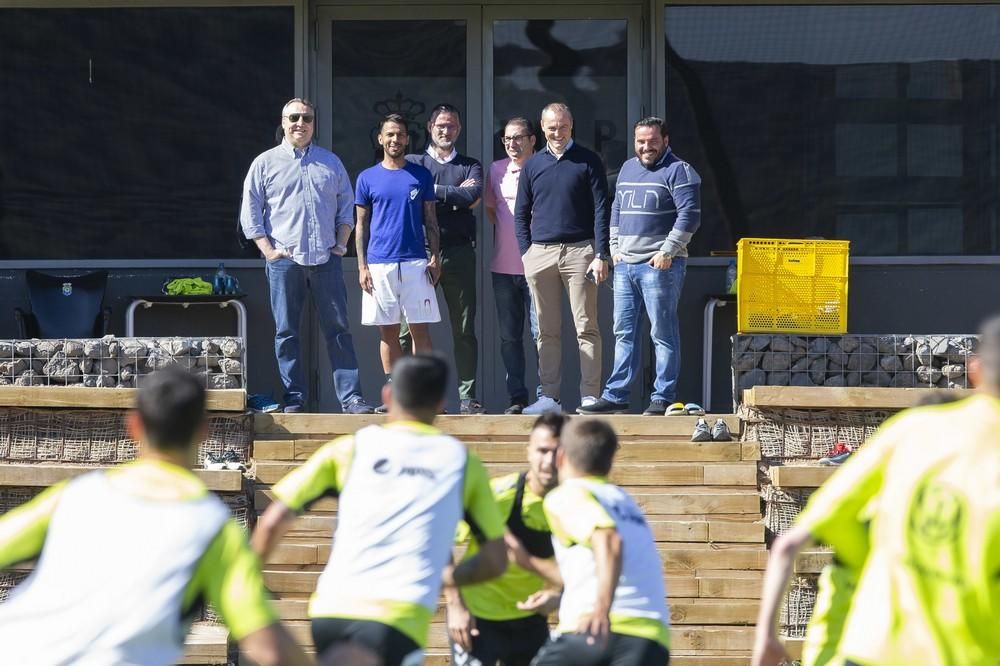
228,460
717,433
841,452
682,409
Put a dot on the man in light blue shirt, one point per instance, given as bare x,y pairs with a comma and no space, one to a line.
298,209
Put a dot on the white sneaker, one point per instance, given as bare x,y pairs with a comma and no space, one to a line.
588,401
542,405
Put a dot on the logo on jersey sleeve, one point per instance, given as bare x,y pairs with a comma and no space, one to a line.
382,466
414,193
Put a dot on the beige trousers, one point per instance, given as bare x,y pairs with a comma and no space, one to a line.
550,268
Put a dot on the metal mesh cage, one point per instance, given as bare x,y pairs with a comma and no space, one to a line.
798,606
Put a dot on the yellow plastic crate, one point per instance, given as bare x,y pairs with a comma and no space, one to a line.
792,286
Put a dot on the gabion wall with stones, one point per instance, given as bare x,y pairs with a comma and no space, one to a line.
907,361
100,436
119,362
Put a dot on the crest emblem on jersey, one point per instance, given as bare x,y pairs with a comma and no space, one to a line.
382,466
67,289
414,193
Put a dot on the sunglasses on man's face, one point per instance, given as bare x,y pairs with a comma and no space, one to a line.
305,117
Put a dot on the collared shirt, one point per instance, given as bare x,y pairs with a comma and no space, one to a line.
433,153
556,155
500,195
298,198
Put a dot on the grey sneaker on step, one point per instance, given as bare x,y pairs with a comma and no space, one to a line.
702,433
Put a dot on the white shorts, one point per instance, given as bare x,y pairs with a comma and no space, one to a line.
400,290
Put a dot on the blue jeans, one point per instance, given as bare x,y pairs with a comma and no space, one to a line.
514,300
641,287
289,283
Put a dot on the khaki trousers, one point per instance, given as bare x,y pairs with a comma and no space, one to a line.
549,269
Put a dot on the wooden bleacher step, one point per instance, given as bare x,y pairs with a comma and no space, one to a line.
38,475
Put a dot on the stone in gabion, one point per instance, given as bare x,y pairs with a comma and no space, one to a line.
231,348
817,371
231,366
158,359
779,378
47,348
923,354
196,347
773,362
755,377
802,379
60,369
176,346
953,372
853,379
742,343
780,343
759,342
890,363
819,345
219,381
73,348
849,343
13,367
909,362
131,349
24,348
864,359
127,373
800,365
86,365
6,381
886,344
6,349
107,366
210,346
904,380
928,374
207,361
876,378
99,381
835,380
30,378
798,341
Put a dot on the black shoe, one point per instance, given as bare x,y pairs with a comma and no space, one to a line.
602,406
293,408
515,408
382,409
656,408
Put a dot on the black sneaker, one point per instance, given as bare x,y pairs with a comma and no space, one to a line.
516,407
602,406
382,409
293,408
358,406
656,408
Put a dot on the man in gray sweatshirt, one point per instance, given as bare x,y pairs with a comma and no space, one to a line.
656,211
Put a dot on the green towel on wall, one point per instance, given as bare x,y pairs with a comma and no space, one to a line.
187,287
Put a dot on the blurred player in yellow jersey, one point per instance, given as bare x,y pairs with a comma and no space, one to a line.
503,620
402,488
916,512
126,556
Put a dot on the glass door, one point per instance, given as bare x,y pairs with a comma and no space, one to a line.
589,59
390,59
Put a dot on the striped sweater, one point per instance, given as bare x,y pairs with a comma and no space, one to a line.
656,209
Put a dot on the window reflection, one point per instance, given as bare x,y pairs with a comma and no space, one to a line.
877,124
582,63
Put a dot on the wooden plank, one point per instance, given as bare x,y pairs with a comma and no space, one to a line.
631,451
813,561
40,475
843,397
730,585
742,474
711,638
625,474
750,450
800,476
735,532
338,424
713,611
218,400
206,644
680,500
689,559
